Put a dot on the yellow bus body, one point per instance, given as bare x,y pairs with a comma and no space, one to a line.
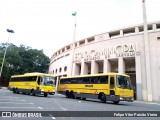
96,90
28,83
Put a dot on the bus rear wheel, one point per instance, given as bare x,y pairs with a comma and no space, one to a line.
83,98
115,102
45,94
32,92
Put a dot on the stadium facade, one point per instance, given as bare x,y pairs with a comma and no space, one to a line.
121,51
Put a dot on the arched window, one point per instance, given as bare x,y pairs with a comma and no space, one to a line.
60,69
65,68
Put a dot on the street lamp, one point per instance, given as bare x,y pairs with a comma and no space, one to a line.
9,31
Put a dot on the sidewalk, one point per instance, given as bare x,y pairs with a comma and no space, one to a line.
4,88
146,102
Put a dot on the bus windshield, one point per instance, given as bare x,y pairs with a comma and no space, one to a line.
48,81
123,82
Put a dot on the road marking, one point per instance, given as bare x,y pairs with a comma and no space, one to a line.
60,105
15,103
8,97
24,103
6,102
20,107
52,116
40,107
12,100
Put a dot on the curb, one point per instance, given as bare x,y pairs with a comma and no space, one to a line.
145,102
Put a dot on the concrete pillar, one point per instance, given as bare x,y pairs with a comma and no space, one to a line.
57,84
138,78
136,30
154,27
77,44
94,67
84,68
106,66
75,69
121,65
86,41
121,33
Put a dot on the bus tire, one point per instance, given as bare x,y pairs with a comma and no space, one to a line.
14,90
103,98
115,102
83,98
78,97
17,91
45,94
67,94
72,95
32,92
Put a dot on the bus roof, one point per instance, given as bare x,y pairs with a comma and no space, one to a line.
89,75
32,74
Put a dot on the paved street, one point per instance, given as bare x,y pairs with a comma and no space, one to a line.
60,105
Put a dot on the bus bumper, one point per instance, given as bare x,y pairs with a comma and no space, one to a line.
43,92
129,99
118,98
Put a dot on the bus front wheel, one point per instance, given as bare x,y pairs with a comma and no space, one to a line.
72,95
14,90
67,94
103,98
17,91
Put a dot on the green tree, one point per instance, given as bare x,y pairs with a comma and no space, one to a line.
23,59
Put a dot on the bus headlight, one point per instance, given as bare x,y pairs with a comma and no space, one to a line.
42,90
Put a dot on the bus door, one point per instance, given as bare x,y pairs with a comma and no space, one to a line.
38,83
112,85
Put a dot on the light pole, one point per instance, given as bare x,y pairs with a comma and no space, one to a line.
9,31
73,44
147,53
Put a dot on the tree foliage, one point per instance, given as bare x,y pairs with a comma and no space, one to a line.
23,59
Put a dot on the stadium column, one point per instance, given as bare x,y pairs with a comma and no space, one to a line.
75,69
121,33
94,67
106,66
121,65
84,68
136,30
138,78
154,27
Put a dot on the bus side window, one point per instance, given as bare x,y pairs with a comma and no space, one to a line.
111,82
85,80
104,79
39,80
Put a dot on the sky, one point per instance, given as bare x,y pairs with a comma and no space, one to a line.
48,25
